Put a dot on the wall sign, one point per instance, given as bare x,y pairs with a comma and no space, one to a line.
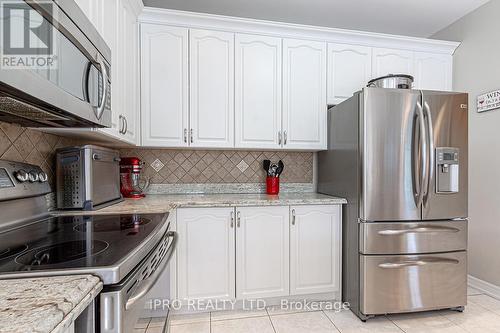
488,101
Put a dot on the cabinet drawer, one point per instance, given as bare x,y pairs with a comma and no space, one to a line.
392,284
413,237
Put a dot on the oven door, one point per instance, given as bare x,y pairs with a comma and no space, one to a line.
72,88
122,304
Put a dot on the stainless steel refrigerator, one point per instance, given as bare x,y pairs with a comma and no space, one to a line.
399,156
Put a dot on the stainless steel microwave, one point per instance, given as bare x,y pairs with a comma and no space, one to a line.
71,84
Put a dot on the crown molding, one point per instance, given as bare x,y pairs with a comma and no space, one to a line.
289,30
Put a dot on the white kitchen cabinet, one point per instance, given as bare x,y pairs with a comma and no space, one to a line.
262,252
206,253
392,61
315,249
128,41
164,86
433,71
258,68
211,92
304,94
349,70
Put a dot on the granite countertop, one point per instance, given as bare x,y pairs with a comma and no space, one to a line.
162,203
45,304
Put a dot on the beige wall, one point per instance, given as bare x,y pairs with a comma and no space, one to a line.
476,70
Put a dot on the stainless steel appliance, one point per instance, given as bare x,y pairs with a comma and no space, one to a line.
399,156
128,252
88,177
397,81
75,91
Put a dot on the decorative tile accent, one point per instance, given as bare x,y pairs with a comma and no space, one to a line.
157,165
220,166
242,166
28,145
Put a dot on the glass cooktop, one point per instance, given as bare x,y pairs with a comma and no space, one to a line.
77,241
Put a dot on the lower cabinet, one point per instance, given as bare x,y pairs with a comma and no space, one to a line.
258,252
262,252
205,253
315,251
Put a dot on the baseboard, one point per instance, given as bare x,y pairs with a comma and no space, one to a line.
486,287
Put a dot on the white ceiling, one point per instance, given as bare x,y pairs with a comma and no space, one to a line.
420,18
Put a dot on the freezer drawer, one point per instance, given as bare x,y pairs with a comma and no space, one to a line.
413,237
393,284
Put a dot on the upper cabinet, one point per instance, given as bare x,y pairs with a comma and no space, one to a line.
391,61
304,94
349,69
433,71
164,86
257,91
211,69
248,85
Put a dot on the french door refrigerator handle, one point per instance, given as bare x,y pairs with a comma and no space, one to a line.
418,262
430,146
423,156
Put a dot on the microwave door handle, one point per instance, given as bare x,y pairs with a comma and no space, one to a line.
102,104
147,284
419,192
85,83
430,146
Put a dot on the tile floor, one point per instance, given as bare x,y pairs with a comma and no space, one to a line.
482,315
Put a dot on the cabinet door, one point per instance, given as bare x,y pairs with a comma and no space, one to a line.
262,252
130,72
433,71
164,85
205,253
391,61
349,70
304,94
257,91
211,64
315,246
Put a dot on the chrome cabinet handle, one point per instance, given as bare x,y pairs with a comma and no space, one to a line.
146,285
185,135
430,152
284,137
126,125
420,262
293,216
238,219
191,135
102,105
418,230
279,138
120,124
96,157
419,193
232,219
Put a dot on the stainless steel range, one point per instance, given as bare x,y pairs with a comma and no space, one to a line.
128,252
399,156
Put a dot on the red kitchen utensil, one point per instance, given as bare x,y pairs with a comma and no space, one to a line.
272,185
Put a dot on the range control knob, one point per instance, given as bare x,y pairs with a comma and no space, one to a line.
21,175
42,177
33,176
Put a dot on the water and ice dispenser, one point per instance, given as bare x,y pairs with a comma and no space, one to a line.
447,170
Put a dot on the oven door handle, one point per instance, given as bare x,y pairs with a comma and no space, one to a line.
148,283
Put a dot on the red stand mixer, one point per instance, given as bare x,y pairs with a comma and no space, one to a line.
130,172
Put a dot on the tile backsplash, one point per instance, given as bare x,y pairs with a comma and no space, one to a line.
165,166
31,146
